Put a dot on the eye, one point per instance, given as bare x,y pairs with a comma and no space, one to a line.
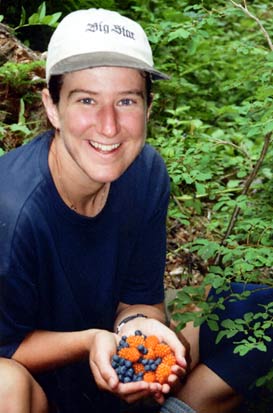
87,101
126,102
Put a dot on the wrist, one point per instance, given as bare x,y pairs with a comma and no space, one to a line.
88,337
127,319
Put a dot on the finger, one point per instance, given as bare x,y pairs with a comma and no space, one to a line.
178,371
166,388
105,377
159,398
132,398
173,379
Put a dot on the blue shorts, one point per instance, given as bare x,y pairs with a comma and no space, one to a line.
240,372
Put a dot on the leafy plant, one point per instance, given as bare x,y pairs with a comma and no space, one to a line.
38,18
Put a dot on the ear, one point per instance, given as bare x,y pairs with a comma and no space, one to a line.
51,109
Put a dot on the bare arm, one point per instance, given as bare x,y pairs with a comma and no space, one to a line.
44,350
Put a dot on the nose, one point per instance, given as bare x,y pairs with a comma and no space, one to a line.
107,121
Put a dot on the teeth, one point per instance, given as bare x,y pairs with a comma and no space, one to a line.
105,148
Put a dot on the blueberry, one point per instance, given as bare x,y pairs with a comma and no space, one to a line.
122,361
138,333
128,363
123,344
127,379
130,372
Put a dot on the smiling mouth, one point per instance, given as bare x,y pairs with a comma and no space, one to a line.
104,148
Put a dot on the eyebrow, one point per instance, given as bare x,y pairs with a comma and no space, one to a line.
92,92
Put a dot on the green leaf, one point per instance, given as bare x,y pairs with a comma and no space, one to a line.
228,323
178,34
262,347
242,350
23,16
269,125
220,336
42,11
20,128
213,325
52,20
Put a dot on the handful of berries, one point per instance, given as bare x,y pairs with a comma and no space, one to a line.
141,357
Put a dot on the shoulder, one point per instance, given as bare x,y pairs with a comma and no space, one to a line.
20,169
145,187
150,166
17,158
21,176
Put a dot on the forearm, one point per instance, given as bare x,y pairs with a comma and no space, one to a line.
44,350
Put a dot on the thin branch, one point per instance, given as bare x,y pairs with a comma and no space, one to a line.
257,20
222,142
248,182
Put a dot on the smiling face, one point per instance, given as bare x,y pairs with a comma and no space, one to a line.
100,121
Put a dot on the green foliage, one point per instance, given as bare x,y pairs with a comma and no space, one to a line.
17,75
39,18
21,84
16,12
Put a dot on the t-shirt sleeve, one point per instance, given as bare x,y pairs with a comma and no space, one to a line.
18,294
143,283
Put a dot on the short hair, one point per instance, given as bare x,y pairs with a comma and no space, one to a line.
56,82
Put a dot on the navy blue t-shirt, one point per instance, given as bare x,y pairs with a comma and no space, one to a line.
61,271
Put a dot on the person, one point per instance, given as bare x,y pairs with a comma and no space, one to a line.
83,239
82,227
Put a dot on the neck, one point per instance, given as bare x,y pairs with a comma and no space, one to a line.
77,191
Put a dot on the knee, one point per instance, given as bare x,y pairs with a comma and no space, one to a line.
15,385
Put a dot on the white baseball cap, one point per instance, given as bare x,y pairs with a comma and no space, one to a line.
98,37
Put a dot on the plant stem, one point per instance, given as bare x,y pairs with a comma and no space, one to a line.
248,182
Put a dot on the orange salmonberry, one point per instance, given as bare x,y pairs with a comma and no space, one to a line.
169,359
162,373
135,341
149,376
151,341
162,349
129,353
138,368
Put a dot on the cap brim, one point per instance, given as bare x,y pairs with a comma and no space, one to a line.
97,59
